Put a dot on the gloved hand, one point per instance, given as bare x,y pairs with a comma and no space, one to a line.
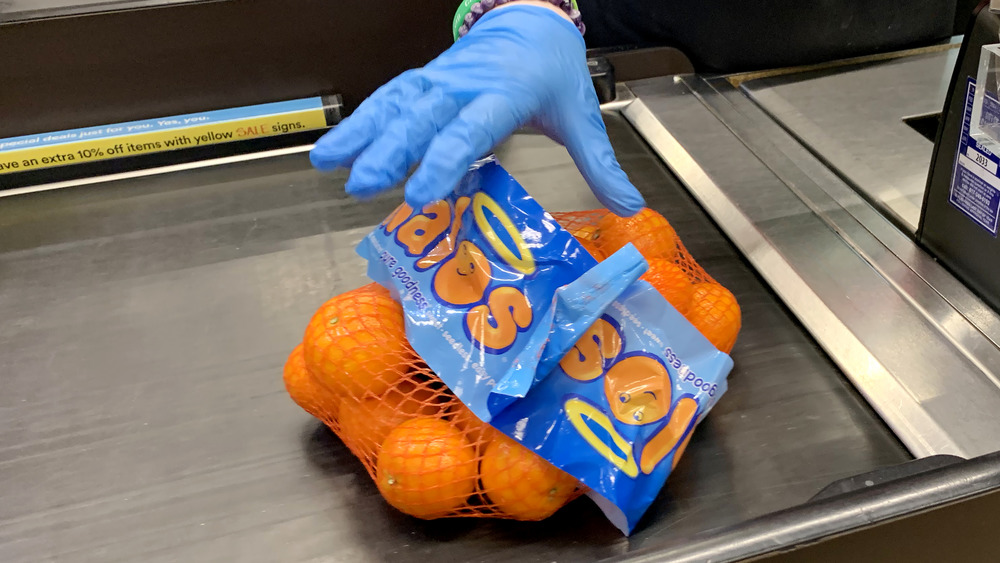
518,65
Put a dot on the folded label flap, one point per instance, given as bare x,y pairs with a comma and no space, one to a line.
580,303
576,306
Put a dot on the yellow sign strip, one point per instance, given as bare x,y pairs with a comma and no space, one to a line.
159,141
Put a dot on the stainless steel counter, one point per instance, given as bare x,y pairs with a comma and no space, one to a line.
853,119
142,414
16,10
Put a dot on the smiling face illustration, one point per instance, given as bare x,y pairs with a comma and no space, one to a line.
586,359
463,278
638,390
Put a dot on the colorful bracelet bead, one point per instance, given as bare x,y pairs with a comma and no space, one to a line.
470,11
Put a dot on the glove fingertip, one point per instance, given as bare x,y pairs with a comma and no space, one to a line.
613,187
362,194
627,201
322,162
329,153
415,201
418,193
365,181
416,196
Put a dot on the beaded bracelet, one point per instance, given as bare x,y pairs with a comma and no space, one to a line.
470,11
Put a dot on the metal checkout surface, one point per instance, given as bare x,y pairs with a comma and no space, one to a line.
146,319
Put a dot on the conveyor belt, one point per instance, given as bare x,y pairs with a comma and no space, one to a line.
142,414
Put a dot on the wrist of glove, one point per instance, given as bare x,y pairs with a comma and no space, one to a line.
517,65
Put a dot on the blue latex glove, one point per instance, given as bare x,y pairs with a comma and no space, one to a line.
518,65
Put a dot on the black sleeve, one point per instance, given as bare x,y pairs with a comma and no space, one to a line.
737,35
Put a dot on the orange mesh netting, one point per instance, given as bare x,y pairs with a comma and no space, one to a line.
711,308
429,455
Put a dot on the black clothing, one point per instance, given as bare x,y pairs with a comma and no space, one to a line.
739,35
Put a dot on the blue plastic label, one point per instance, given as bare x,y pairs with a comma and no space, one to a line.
478,275
975,181
619,409
578,361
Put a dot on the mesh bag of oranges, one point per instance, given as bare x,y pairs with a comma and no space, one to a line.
507,361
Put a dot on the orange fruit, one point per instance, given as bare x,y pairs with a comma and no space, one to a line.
475,431
426,468
592,248
303,389
671,281
649,231
365,423
356,342
521,483
585,232
716,314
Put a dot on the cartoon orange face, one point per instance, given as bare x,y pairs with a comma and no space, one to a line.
463,278
638,390
585,360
